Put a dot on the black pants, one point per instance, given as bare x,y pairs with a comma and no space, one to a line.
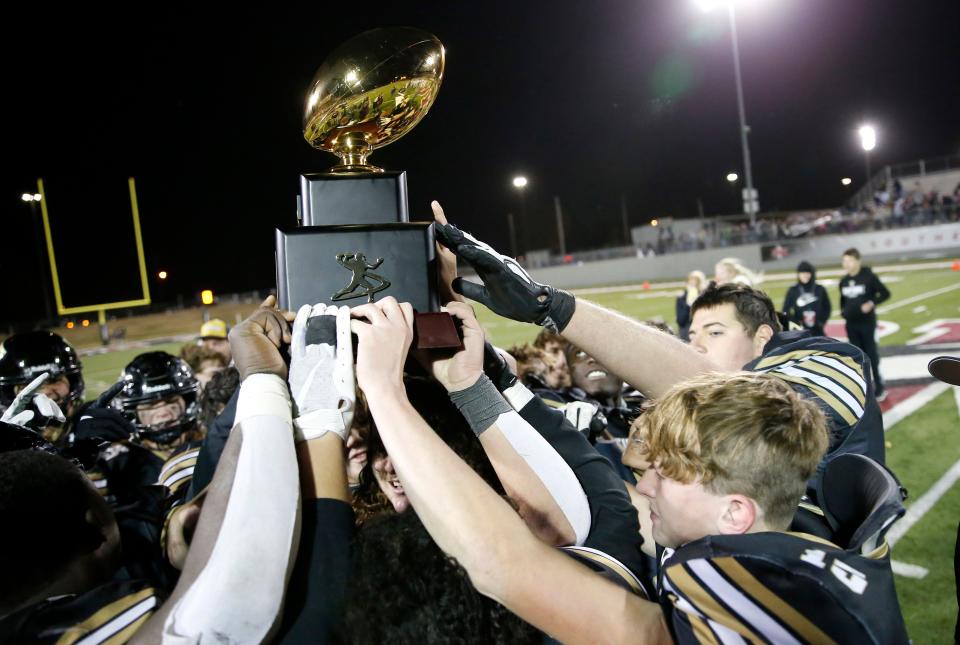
864,337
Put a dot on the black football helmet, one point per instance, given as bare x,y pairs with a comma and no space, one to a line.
23,357
152,377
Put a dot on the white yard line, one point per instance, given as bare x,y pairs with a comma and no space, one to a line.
926,501
909,570
929,499
917,298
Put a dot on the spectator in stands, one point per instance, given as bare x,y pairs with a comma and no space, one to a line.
807,303
213,334
696,283
731,270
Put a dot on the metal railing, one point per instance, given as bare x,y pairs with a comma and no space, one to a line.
888,174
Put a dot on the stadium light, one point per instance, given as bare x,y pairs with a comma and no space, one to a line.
868,141
69,324
654,222
206,297
162,275
27,197
37,197
85,322
520,182
846,181
868,137
732,177
707,6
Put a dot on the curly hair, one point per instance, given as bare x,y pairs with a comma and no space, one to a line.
432,403
404,589
197,355
217,394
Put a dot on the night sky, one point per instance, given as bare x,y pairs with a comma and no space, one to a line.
590,100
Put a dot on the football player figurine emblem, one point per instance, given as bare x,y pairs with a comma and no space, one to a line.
362,274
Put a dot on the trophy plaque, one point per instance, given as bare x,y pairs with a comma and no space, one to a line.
355,243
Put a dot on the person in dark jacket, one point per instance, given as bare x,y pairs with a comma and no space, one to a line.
807,303
860,293
696,283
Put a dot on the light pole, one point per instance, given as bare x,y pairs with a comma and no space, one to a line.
751,198
33,199
520,183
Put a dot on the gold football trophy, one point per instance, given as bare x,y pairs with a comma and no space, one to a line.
371,91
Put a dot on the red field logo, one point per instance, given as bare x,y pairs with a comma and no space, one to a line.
837,329
945,330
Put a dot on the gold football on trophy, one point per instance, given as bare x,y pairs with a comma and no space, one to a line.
372,90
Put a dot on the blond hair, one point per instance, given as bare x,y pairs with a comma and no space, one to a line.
742,275
744,433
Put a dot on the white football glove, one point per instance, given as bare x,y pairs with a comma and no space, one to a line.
580,414
322,380
18,413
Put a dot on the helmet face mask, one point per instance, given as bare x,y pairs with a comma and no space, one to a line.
150,380
25,356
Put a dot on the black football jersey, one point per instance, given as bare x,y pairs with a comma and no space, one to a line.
836,376
778,588
110,613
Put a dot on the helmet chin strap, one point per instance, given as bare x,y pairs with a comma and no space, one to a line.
166,435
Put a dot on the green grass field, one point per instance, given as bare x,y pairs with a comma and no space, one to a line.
922,447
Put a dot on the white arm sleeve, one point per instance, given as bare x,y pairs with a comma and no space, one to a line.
238,595
551,469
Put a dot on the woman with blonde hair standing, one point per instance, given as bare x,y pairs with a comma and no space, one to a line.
732,270
696,283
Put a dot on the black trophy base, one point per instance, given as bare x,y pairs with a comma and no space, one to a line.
357,263
362,198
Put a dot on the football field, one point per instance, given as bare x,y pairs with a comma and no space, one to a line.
922,318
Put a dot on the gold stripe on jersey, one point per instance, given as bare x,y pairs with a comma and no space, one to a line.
825,395
838,377
771,602
701,630
801,355
812,508
804,360
878,553
127,632
103,616
99,481
178,459
170,474
812,538
700,598
554,404
611,564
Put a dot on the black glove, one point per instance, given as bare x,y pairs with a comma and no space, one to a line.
496,368
103,401
507,289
